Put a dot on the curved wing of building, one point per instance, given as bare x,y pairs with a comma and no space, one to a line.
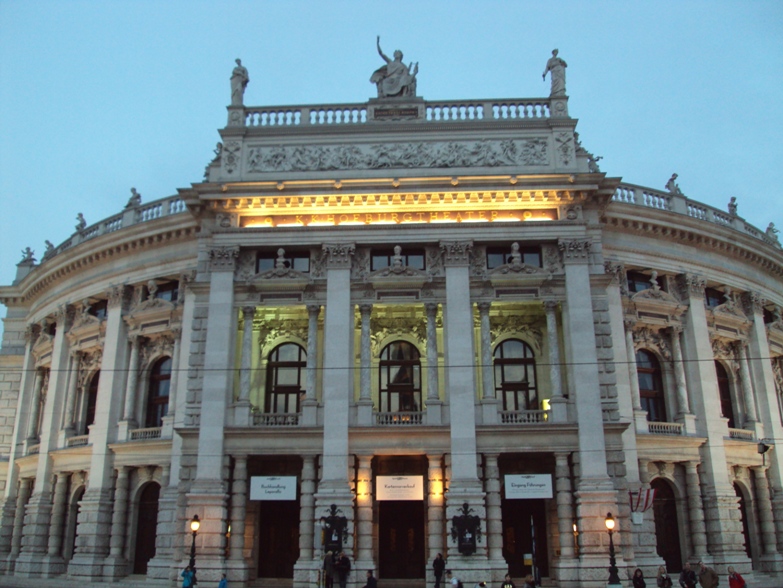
395,329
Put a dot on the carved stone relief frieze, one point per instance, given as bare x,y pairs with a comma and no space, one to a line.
566,151
360,268
338,255
616,270
223,259
230,156
381,328
226,220
452,154
90,363
652,339
689,285
724,349
552,262
456,252
435,267
574,250
246,265
270,330
519,326
155,347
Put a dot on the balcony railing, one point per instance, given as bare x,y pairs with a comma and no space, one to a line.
399,419
276,420
144,434
77,441
656,428
661,200
34,449
523,417
741,434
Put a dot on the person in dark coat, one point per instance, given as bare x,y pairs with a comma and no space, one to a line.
371,581
438,565
343,567
328,570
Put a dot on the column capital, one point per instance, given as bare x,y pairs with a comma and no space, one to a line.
484,307
118,297
365,309
223,259
616,270
431,308
676,330
629,324
753,302
338,255
551,305
691,285
248,312
575,250
456,253
31,333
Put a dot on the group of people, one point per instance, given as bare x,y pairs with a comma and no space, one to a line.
188,576
338,564
706,577
439,567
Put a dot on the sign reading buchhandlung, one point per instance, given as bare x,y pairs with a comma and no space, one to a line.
273,488
529,486
399,488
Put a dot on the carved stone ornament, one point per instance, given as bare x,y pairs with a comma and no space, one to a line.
552,262
338,255
360,268
616,270
777,371
730,307
246,265
381,328
456,253
453,154
575,250
646,338
566,151
466,530
753,303
230,156
155,347
89,364
691,285
224,220
119,296
274,329
223,259
518,326
724,349
31,333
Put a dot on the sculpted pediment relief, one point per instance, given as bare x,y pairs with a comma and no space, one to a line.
775,332
398,277
154,315
43,345
654,305
728,320
280,279
87,331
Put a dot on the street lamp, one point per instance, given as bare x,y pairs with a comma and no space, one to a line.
194,526
614,579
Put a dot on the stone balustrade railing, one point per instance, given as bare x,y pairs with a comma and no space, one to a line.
656,428
434,112
77,441
276,420
661,200
399,418
523,417
741,434
146,433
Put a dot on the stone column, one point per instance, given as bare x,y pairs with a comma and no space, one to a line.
207,496
167,431
565,507
436,486
724,531
334,487
679,372
95,513
365,374
248,312
557,401
129,414
57,527
239,569
695,512
364,503
494,514
308,566
434,403
633,375
70,398
22,496
747,386
116,562
489,401
35,408
765,510
310,402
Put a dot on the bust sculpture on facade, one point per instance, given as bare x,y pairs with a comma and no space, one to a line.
394,79
556,69
239,80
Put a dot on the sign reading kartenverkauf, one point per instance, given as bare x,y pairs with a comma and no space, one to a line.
399,488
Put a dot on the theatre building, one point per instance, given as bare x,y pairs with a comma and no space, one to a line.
396,328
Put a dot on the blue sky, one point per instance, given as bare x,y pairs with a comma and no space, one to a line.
99,96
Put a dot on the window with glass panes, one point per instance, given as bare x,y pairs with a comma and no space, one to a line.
648,372
158,393
285,378
515,375
400,378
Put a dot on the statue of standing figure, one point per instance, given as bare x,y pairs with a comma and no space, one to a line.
394,79
239,80
556,69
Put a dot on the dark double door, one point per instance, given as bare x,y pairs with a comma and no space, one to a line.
524,531
278,538
401,539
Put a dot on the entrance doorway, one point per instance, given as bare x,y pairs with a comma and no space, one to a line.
524,523
146,528
401,539
667,528
278,538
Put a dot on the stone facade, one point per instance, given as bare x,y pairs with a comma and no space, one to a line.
449,295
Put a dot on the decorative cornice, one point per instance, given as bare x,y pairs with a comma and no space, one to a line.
456,253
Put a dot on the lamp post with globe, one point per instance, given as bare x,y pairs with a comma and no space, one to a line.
614,579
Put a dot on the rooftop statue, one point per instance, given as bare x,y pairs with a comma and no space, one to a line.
134,200
394,79
673,187
772,232
733,206
28,255
556,69
239,80
80,222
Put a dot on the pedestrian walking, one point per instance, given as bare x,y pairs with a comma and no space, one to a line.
223,582
438,565
707,576
188,575
735,580
687,577
638,579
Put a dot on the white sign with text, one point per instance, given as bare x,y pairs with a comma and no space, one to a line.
529,486
273,488
399,488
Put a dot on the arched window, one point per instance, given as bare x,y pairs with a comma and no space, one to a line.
158,393
90,402
648,371
400,378
724,390
285,375
515,375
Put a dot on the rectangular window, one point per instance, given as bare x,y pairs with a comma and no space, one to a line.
714,297
638,282
99,309
295,260
168,291
497,256
383,258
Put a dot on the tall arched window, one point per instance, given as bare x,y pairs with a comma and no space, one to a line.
285,376
515,375
400,378
724,390
648,371
90,402
158,393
